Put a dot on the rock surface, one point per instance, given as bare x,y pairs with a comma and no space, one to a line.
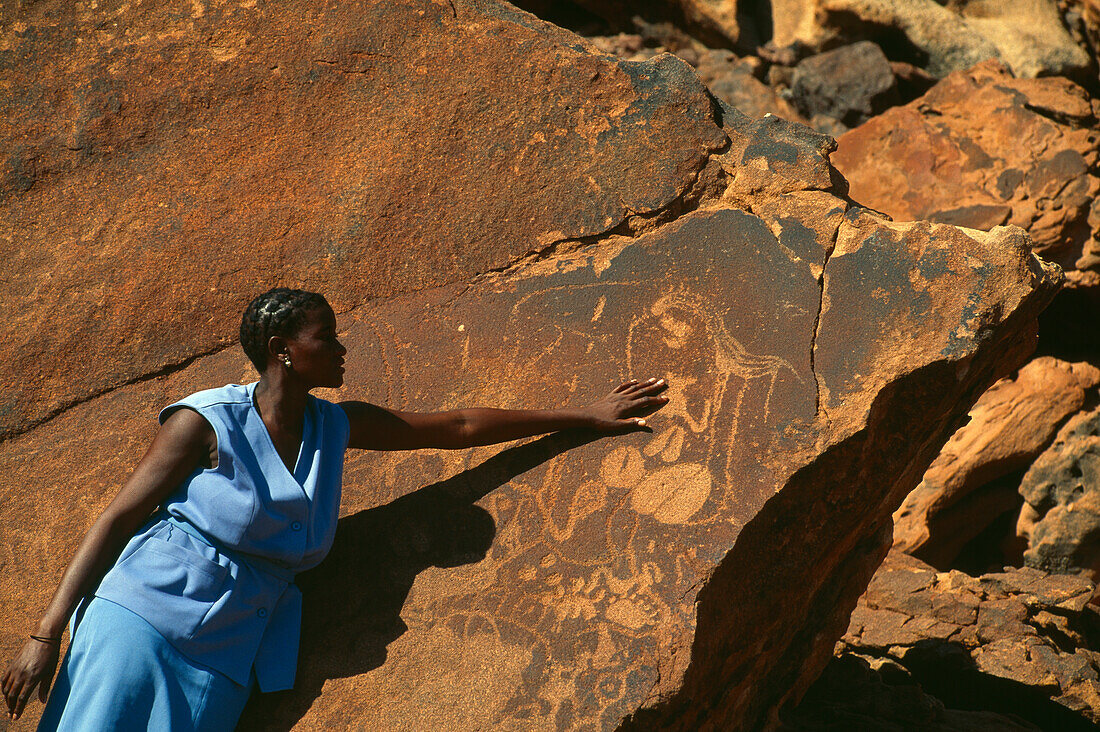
694,577
242,145
975,477
1005,641
567,584
1027,35
982,149
734,81
1061,519
850,84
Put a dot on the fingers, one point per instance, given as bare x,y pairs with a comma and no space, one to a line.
624,386
24,695
15,699
649,386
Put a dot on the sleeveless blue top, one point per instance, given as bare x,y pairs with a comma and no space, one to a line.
213,570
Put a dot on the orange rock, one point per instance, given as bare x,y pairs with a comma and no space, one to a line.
165,163
1010,425
982,149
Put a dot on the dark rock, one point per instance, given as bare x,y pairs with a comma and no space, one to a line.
1061,520
851,84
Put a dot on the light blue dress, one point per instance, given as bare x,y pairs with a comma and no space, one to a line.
211,576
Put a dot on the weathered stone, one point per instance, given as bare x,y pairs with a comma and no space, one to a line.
851,84
965,489
696,574
174,159
1027,35
982,149
1062,490
1023,632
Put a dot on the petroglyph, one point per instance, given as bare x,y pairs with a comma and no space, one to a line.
606,545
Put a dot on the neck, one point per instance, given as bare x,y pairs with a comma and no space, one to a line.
280,400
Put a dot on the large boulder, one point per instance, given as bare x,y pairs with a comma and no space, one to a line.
976,476
1010,642
162,163
981,149
695,575
1027,35
1061,516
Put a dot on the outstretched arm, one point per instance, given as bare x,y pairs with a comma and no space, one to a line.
378,428
174,453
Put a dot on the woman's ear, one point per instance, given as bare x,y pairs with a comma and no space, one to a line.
276,349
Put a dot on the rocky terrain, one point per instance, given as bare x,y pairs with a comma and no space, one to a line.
859,237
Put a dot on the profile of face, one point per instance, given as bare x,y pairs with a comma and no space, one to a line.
316,354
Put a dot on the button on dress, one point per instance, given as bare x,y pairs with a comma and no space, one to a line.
212,572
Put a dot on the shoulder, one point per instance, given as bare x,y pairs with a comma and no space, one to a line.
333,414
205,400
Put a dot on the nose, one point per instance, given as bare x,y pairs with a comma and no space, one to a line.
340,349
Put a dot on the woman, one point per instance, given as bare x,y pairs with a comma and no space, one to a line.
238,491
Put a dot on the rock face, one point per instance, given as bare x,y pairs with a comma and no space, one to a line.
239,146
976,476
1027,35
691,577
1005,641
1061,519
982,149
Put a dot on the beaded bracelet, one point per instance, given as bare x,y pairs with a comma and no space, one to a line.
46,639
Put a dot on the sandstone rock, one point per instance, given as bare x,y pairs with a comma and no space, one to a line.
690,577
1034,637
981,149
593,580
1027,35
976,475
849,84
1062,489
240,146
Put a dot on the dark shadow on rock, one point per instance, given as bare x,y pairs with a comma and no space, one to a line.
352,601
945,670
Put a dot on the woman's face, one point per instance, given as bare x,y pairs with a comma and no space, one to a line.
316,356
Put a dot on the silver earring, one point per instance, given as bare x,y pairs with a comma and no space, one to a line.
286,361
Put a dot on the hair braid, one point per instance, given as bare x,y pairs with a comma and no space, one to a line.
277,312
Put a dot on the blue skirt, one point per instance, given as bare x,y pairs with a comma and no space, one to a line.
120,673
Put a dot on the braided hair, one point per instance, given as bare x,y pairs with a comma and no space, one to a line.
277,312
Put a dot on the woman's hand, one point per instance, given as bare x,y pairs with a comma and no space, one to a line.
628,405
33,666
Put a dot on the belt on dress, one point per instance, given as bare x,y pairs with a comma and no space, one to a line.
259,563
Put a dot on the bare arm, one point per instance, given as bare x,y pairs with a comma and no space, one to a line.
173,454
378,428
